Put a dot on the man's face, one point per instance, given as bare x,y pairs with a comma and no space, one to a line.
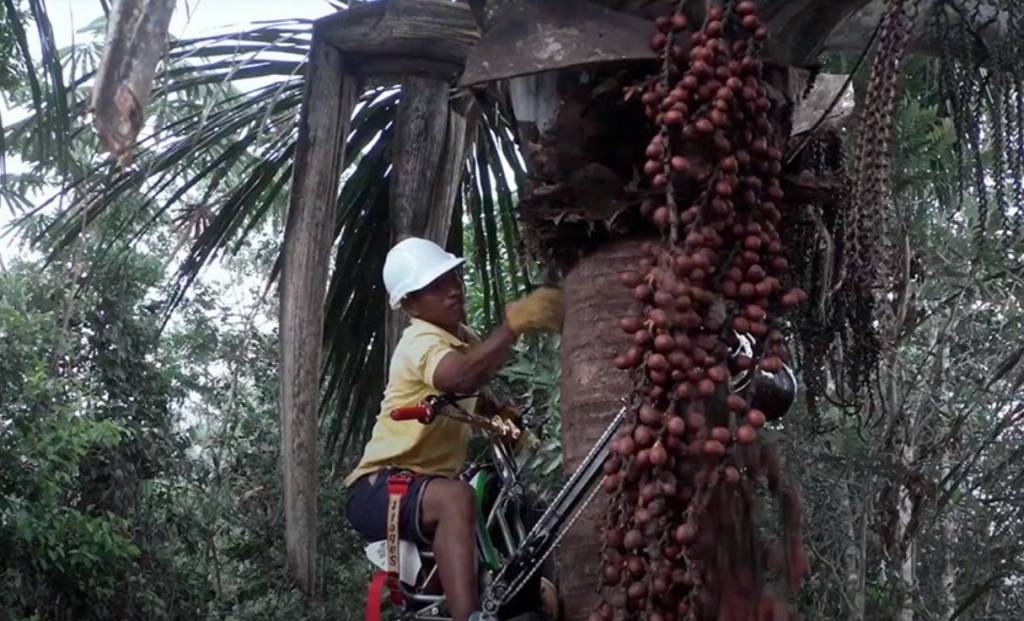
441,302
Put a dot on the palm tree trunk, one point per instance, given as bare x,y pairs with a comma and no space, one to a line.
592,390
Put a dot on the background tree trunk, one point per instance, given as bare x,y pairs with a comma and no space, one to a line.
907,565
853,554
949,573
592,392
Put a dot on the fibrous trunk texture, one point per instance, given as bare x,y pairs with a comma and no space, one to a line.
592,393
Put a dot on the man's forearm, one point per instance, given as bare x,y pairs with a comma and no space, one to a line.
483,361
479,364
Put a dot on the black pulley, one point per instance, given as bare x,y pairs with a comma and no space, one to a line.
773,393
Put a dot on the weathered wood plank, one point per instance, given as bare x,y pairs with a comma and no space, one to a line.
327,107
374,68
536,35
421,135
800,28
432,136
438,30
810,27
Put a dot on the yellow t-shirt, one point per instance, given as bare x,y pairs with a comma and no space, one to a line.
437,448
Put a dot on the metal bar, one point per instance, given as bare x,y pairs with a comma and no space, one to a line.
568,505
506,533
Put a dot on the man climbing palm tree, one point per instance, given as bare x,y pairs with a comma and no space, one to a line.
436,354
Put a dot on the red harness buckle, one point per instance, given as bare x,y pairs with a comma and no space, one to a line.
399,484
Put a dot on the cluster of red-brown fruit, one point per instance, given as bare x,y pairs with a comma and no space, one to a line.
681,542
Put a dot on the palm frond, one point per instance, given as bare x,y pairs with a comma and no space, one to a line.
221,139
354,328
49,95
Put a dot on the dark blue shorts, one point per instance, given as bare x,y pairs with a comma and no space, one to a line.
367,507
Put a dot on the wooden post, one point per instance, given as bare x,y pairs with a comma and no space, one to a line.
430,138
424,43
425,38
327,108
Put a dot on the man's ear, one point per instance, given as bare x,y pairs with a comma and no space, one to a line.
409,307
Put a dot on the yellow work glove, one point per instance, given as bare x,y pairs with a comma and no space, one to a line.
541,311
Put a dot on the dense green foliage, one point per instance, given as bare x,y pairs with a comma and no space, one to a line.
139,472
91,451
139,468
928,469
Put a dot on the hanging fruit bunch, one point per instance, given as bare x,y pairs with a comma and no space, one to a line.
681,540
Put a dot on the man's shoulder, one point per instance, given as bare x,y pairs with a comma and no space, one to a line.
419,330
419,338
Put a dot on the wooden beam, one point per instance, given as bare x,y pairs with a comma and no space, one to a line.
330,95
534,36
427,167
374,68
437,30
425,38
798,29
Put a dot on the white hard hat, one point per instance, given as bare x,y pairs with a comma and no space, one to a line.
414,263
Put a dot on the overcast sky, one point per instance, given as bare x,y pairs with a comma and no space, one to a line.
191,17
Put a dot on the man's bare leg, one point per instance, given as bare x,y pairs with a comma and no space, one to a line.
449,511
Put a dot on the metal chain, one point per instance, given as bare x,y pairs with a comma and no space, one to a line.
515,587
503,594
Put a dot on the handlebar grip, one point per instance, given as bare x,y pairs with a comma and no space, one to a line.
421,412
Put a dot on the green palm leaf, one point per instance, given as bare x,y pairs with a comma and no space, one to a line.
224,118
49,94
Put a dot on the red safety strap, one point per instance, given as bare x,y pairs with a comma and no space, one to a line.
398,486
373,598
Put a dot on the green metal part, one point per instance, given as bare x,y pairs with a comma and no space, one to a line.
487,549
